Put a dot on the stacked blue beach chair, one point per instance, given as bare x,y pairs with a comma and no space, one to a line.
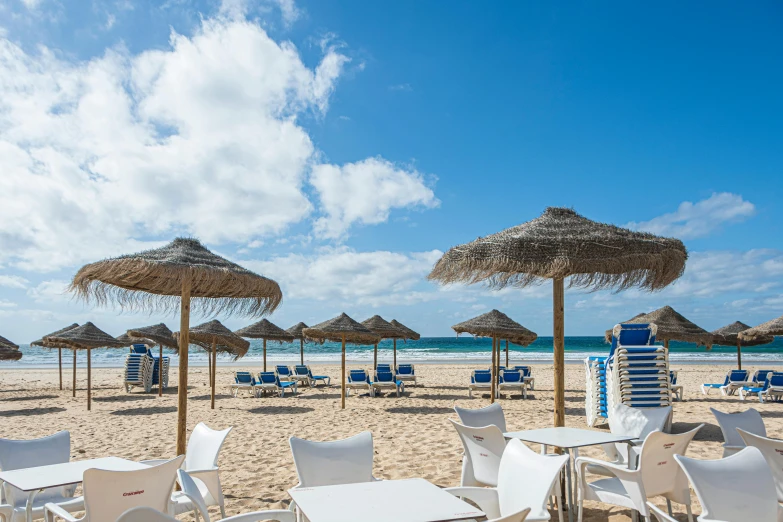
141,369
636,373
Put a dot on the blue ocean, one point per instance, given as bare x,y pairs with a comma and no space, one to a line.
426,350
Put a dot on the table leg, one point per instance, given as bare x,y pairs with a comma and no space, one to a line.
544,449
29,506
569,497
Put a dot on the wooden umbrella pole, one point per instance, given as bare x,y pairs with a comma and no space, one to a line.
74,373
214,370
493,373
395,354
301,352
89,381
342,380
209,367
375,357
60,364
182,391
739,354
160,371
506,353
264,353
558,309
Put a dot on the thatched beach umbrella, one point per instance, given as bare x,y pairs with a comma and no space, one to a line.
266,330
44,344
672,326
729,336
558,245
8,350
86,337
212,336
497,325
773,327
127,340
408,335
296,332
161,335
386,330
167,279
342,328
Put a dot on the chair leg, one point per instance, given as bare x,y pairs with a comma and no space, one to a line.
690,514
669,506
581,509
559,503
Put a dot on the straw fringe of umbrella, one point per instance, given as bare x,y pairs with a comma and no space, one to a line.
773,327
174,277
9,351
729,336
385,330
409,334
671,326
560,245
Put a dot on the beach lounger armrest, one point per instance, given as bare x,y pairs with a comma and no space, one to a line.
485,498
281,515
57,511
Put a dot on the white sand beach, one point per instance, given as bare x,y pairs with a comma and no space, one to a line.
411,433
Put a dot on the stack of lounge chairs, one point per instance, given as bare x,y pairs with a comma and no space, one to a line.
138,368
636,373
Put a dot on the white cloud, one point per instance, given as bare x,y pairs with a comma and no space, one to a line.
692,220
344,276
31,4
289,11
49,291
365,192
198,138
236,9
10,281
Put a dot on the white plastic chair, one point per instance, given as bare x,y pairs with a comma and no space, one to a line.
491,415
637,422
772,450
109,494
656,474
749,421
191,490
6,512
659,514
18,454
346,461
483,449
525,480
738,488
201,462
145,514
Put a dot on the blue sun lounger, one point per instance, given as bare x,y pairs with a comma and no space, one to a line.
304,370
774,379
386,379
243,381
406,373
359,380
383,367
269,381
734,380
512,380
480,380
284,372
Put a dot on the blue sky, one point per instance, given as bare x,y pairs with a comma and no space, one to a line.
341,147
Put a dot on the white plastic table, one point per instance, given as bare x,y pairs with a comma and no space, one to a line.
409,500
34,480
570,439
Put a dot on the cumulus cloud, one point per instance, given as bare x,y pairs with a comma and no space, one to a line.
197,138
49,291
692,220
12,281
343,275
365,192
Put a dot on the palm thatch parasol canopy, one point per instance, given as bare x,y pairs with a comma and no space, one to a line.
84,337
729,336
773,327
672,326
45,342
217,284
265,329
127,340
339,328
496,324
382,327
226,341
159,333
8,352
296,331
5,342
171,277
409,334
560,245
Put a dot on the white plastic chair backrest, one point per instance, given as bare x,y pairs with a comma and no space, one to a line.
346,461
204,447
660,473
772,450
514,517
484,448
749,421
525,479
18,454
738,488
491,415
638,422
190,490
109,494
145,514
